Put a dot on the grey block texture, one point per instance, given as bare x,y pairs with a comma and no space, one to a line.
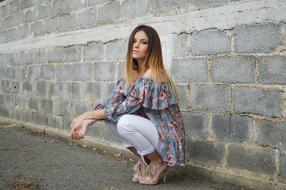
270,133
190,70
257,101
210,41
258,160
260,38
272,70
214,98
204,151
196,125
233,69
232,128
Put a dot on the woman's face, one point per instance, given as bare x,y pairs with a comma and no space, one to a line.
140,46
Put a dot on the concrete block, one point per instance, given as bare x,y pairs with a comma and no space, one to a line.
272,69
63,72
73,5
94,90
41,56
56,55
79,107
181,45
10,100
27,57
21,72
116,50
167,6
203,151
282,162
3,37
108,13
40,118
35,72
260,38
37,28
4,111
41,88
73,53
110,132
67,22
13,20
20,101
203,4
120,70
232,128
233,69
59,7
79,90
62,89
210,41
59,120
18,114
95,2
87,18
190,70
46,106
51,25
34,103
258,160
257,101
270,133
10,72
196,125
12,35
82,71
135,8
30,15
28,3
14,7
48,72
62,106
184,93
104,71
44,9
23,31
27,87
94,51
6,86
215,98
4,10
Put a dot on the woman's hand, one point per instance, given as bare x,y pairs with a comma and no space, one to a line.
79,128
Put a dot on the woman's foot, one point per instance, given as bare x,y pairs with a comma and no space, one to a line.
138,171
153,173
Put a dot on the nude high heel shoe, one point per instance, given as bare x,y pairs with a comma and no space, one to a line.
153,173
138,169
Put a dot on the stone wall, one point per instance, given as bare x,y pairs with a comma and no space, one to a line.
60,57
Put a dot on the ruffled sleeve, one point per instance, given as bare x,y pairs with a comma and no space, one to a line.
144,93
117,97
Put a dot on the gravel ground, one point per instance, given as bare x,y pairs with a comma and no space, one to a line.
30,160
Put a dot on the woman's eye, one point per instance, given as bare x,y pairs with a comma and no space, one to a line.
145,42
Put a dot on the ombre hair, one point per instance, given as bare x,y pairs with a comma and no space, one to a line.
153,60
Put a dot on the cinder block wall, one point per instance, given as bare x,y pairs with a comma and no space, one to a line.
60,57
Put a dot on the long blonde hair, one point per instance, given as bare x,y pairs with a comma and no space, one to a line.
153,60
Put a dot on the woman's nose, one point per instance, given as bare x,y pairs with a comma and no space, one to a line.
136,44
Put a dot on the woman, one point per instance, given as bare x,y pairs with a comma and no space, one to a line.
145,109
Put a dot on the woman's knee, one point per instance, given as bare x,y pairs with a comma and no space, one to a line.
123,124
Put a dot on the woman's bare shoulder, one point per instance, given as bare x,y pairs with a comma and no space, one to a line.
148,74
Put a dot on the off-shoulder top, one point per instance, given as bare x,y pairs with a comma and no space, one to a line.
157,102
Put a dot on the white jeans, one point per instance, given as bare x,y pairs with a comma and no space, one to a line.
138,132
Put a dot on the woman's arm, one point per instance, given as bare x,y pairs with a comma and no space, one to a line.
79,124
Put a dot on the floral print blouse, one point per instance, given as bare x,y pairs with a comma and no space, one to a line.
154,101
